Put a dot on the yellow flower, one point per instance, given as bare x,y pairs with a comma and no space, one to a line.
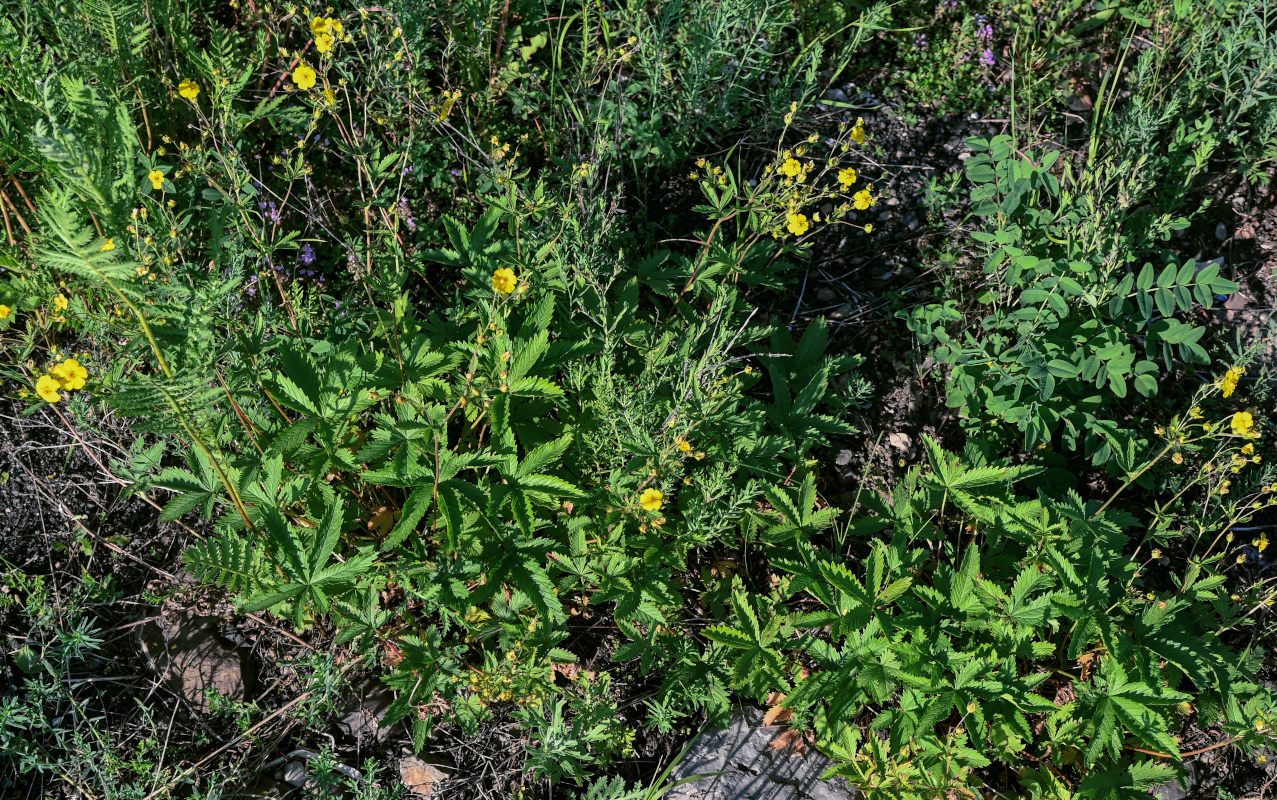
503,280
1243,424
797,224
1261,544
869,228
304,77
47,389
60,303
5,311
791,167
188,89
651,499
109,244
858,132
157,179
847,177
324,42
335,27
329,97
863,199
320,25
1230,379
1248,449
1178,458
70,374
684,446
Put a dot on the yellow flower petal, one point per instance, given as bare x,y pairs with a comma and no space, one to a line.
504,281
304,77
46,388
651,499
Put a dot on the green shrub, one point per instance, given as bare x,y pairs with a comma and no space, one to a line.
368,289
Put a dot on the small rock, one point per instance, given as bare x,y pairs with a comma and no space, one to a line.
893,201
295,773
826,294
912,221
964,155
1221,231
844,458
899,441
420,778
361,720
1081,102
187,650
753,766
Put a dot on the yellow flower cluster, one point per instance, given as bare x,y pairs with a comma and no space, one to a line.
448,100
858,131
327,32
1229,382
1243,424
66,376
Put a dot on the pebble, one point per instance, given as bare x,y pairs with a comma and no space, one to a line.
295,773
1221,231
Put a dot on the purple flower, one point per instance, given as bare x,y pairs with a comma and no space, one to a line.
986,58
307,255
406,213
985,33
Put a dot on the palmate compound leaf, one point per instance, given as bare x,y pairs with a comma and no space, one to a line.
304,563
518,562
1126,781
1119,705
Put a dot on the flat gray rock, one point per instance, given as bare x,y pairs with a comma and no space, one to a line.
752,769
188,651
